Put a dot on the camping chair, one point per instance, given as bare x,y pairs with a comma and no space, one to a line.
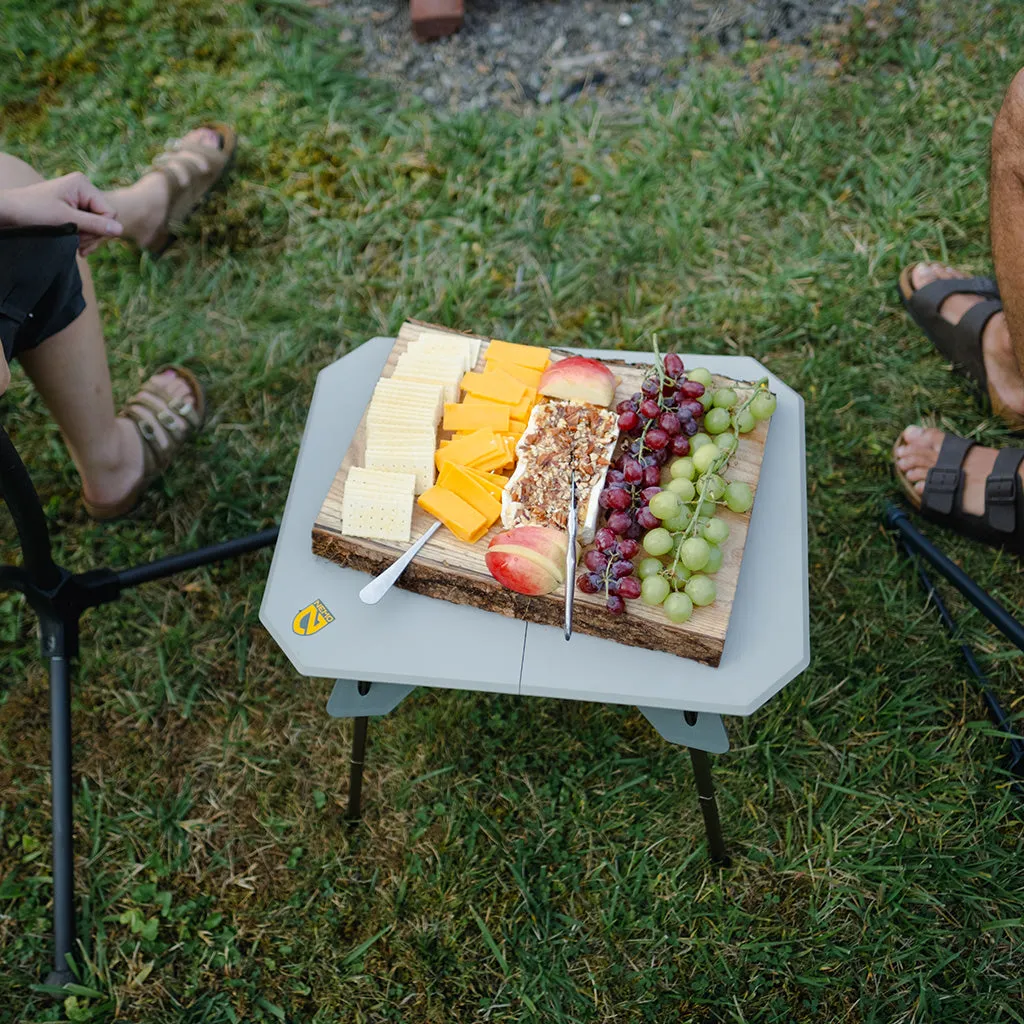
920,549
58,599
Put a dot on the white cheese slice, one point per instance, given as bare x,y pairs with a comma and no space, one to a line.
416,460
435,343
390,435
449,383
387,517
413,393
363,478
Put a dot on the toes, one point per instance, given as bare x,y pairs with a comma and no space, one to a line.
203,137
925,273
918,474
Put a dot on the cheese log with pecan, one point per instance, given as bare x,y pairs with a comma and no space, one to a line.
538,491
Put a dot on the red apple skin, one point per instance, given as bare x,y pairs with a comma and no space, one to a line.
528,559
545,540
580,378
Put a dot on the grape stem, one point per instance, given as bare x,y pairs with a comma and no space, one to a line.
719,464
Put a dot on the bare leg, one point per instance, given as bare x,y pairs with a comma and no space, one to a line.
70,372
1003,340
1007,214
141,206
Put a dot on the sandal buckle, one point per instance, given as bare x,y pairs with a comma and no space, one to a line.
940,489
1001,502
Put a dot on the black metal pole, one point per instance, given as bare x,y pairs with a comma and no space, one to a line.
1015,758
708,806
63,839
173,564
355,775
895,518
17,490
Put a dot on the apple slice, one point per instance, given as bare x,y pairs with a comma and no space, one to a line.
579,378
528,559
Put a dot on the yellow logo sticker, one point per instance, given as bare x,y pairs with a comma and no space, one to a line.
312,619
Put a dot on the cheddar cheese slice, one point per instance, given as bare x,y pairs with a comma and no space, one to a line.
494,483
498,459
457,514
475,417
458,480
496,385
525,407
524,355
531,378
467,450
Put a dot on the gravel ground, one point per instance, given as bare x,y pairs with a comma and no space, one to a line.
513,53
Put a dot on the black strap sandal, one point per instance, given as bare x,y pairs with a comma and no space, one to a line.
960,343
1001,524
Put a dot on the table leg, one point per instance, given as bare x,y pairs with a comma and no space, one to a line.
355,777
708,806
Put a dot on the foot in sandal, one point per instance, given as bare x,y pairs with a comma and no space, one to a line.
179,179
158,420
963,317
979,492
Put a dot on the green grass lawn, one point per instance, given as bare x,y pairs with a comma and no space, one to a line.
520,861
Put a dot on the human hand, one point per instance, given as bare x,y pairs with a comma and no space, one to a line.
72,198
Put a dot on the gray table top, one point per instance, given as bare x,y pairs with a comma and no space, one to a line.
408,638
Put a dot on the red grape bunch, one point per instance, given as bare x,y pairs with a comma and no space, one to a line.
656,423
610,569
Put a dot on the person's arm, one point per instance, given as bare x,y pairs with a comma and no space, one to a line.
71,199
5,374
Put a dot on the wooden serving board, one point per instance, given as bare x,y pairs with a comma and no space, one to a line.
452,570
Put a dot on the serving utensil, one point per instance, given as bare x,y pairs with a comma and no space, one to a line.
570,555
380,585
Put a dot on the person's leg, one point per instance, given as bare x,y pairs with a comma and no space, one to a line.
1006,214
1003,340
69,369
142,205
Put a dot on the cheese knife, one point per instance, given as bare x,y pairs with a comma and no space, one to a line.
570,555
380,585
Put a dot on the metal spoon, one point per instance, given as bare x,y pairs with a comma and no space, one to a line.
380,585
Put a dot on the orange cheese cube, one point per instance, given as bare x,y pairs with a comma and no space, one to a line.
475,417
496,385
494,483
458,480
464,451
531,378
458,515
523,355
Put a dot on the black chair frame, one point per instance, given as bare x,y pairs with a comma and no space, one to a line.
59,598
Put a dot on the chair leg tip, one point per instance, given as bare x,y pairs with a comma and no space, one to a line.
58,979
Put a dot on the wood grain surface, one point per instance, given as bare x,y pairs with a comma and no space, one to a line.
452,570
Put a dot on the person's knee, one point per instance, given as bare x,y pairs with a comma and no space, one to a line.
15,173
1008,130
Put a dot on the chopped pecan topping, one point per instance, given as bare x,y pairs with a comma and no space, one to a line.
566,434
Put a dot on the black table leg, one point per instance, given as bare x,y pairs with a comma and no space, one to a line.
708,806
355,778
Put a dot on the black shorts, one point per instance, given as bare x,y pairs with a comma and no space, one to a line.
40,287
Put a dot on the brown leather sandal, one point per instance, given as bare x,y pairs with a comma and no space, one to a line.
178,419
960,343
1001,525
192,171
